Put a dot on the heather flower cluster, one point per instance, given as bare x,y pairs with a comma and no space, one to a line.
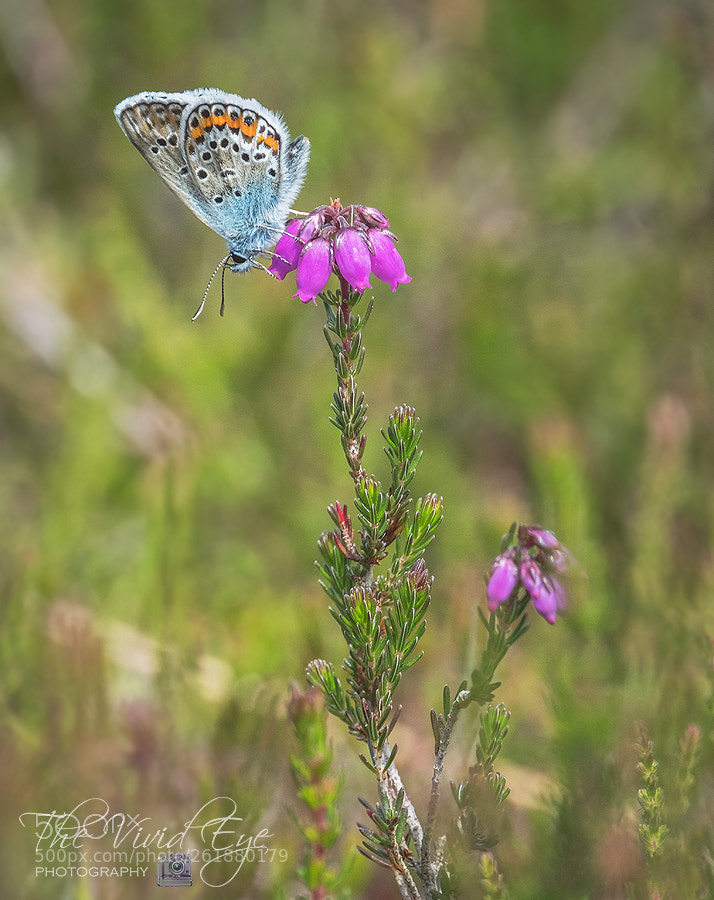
532,563
353,242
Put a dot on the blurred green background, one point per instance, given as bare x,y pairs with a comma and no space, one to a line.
549,169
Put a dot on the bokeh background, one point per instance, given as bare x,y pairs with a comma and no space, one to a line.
549,169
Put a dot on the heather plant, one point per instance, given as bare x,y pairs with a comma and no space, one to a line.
375,576
549,171
676,849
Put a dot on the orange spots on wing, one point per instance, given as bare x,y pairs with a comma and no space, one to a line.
272,143
238,124
249,130
235,123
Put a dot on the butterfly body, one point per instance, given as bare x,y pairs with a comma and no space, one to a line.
230,160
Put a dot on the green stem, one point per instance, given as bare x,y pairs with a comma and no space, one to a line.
346,387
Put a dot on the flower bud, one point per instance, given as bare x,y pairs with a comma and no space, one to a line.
372,217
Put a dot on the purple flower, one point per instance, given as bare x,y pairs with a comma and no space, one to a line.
287,251
352,258
373,217
550,600
545,539
313,222
313,269
387,264
352,242
531,563
504,577
530,577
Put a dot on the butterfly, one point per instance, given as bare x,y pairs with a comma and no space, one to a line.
230,160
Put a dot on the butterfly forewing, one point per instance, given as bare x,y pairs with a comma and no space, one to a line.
153,125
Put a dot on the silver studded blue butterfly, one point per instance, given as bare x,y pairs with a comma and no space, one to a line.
230,160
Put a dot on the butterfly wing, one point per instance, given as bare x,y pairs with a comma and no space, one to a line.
233,149
152,122
229,159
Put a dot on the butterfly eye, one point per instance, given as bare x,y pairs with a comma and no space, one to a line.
237,259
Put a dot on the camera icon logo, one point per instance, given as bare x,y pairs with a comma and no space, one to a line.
174,870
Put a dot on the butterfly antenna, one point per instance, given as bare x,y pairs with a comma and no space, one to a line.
223,286
221,265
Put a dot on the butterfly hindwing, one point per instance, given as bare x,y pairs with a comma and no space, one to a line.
234,154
